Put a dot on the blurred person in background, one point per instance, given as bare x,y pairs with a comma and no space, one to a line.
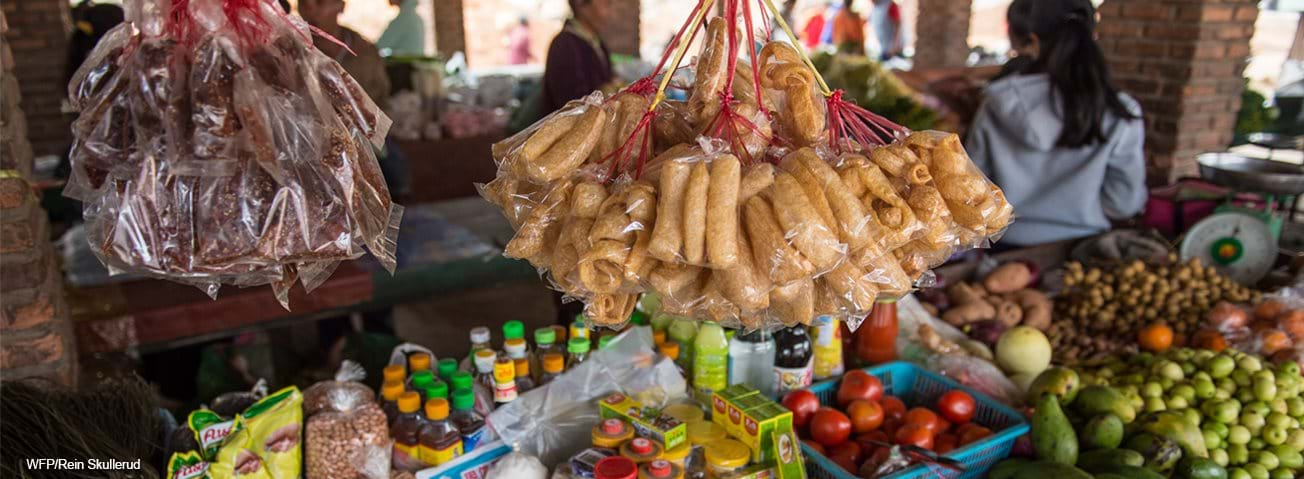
814,28
406,34
849,30
1064,144
518,43
578,60
886,20
364,63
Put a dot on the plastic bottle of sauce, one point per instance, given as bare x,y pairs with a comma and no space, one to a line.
504,381
605,341
545,343
514,332
876,337
660,469
389,394
710,360
641,450
523,380
553,365
793,360
577,350
726,456
406,432
445,369
682,331
468,422
611,433
658,337
578,329
438,389
516,348
420,381
615,467
394,372
440,441
484,380
461,380
827,340
480,338
418,362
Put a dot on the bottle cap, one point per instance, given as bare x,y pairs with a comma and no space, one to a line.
479,335
446,368
437,409
543,336
522,367
615,467
669,349
515,347
727,453
659,337
391,390
660,468
684,412
463,399
577,345
513,330
701,433
605,341
553,363
484,360
437,390
409,401
613,427
462,380
394,372
419,362
640,445
678,453
422,380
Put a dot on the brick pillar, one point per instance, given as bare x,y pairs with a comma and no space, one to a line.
36,337
38,33
450,28
942,33
622,35
1183,60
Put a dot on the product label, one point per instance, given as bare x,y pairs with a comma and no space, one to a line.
504,371
710,373
407,457
791,379
469,441
505,392
828,348
436,457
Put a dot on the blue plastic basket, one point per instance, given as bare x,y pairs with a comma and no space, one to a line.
917,386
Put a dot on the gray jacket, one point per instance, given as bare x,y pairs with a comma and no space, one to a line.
1057,193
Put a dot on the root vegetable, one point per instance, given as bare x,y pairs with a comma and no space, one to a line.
1008,278
1036,307
969,312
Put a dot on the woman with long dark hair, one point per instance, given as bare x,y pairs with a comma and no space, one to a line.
1055,134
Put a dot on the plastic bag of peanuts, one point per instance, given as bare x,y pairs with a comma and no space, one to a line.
347,436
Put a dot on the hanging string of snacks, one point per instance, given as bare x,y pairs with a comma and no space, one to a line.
763,199
215,145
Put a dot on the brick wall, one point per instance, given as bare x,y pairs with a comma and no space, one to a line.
1183,60
35,333
38,35
942,33
450,27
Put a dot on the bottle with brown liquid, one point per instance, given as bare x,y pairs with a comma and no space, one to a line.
406,432
504,381
389,393
440,441
468,422
553,365
523,380
418,362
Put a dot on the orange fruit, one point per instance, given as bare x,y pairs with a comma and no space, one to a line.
1269,309
1156,337
1273,340
1209,339
1292,322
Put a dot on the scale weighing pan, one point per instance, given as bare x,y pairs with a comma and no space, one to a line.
1252,175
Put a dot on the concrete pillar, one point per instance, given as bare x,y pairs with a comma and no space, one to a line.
942,33
1183,60
38,37
450,28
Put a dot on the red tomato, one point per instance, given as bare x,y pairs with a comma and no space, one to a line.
845,463
816,446
878,435
830,427
942,425
974,435
803,404
956,406
961,429
866,415
890,427
916,435
858,384
893,408
944,443
926,418
849,449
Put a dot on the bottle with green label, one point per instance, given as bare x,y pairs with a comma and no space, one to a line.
682,331
710,360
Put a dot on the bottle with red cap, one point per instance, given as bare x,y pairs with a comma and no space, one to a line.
660,469
615,467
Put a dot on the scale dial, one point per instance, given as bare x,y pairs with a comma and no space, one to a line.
1238,245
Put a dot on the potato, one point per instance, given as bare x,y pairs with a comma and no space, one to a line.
1037,308
969,312
1008,278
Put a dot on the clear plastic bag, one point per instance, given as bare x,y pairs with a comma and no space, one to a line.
347,436
215,145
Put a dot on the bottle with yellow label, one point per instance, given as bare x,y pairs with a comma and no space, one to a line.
440,440
504,381
827,339
406,432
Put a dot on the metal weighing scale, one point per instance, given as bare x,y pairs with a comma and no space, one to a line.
1239,240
